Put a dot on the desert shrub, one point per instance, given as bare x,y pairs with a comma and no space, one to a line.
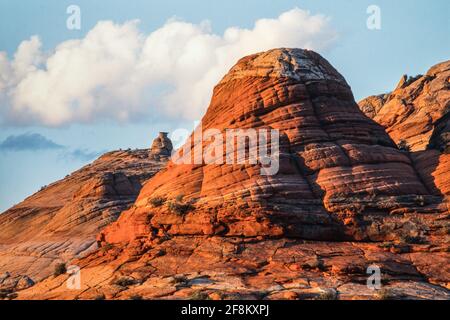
180,208
124,282
385,294
60,269
314,263
12,296
403,145
100,297
357,208
386,245
199,295
157,201
328,294
136,297
179,279
179,198
4,294
411,239
107,247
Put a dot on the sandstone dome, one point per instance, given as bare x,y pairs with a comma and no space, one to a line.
339,172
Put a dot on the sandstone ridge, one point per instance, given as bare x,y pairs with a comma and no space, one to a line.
60,222
412,111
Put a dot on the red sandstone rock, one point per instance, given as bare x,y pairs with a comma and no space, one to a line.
414,108
332,157
236,234
60,222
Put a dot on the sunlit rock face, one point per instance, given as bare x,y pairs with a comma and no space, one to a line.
415,108
60,222
344,198
339,171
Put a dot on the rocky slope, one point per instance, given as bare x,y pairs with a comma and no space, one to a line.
345,198
415,108
60,222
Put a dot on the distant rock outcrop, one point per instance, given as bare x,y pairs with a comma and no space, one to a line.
413,110
161,147
417,115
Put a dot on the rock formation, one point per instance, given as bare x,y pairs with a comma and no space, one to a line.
412,111
60,222
417,113
338,168
440,139
161,147
344,198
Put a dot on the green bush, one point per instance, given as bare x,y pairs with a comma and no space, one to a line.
157,202
60,269
403,146
328,294
199,295
180,208
124,282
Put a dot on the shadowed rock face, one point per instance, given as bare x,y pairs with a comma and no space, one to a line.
338,168
440,139
412,111
60,222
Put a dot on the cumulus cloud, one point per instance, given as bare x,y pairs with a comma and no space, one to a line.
28,142
117,72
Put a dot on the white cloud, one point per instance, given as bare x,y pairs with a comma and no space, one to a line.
120,73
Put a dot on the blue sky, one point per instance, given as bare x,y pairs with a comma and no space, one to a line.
414,36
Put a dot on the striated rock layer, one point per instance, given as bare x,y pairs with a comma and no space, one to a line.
339,171
414,109
344,198
60,222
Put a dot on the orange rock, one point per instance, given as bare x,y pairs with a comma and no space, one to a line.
345,198
331,157
60,222
413,110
